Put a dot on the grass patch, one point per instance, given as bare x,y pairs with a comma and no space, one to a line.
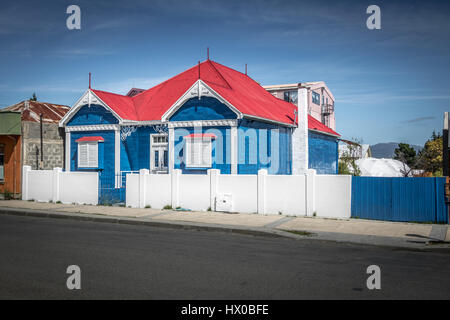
167,207
146,207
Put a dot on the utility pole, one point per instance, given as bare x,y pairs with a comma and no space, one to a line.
445,169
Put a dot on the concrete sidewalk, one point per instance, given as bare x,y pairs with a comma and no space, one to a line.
397,234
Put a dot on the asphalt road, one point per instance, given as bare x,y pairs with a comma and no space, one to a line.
140,262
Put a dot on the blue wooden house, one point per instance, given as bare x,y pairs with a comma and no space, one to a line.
209,116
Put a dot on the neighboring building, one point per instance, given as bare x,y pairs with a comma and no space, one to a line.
10,154
358,151
320,100
21,143
207,117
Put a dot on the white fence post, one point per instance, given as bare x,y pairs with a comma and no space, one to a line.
175,182
25,171
214,180
143,174
310,192
56,184
262,191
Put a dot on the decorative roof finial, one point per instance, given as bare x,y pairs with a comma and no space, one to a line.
89,80
207,53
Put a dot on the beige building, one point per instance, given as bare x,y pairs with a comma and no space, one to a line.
320,99
42,139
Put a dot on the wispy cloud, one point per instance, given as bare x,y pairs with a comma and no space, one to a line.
384,97
123,86
82,52
418,120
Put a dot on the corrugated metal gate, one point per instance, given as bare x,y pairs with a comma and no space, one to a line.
112,188
399,199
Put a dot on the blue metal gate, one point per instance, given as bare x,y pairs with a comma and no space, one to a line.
112,188
399,199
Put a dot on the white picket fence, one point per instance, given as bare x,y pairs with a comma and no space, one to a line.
299,195
56,185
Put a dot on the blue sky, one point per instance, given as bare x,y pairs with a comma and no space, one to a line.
390,84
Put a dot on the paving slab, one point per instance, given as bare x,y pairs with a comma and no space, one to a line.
32,205
110,211
359,227
241,219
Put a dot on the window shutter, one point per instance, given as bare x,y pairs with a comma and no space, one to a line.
88,155
206,152
198,153
82,155
93,155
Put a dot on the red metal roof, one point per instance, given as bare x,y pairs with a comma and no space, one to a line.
238,89
201,135
31,111
84,139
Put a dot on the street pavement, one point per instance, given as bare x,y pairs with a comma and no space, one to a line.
382,233
120,261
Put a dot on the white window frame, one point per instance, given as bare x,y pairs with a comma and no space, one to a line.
160,146
88,164
204,164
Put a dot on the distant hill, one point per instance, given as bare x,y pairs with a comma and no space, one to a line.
386,150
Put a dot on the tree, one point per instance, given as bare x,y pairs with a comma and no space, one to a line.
347,162
33,98
407,155
431,156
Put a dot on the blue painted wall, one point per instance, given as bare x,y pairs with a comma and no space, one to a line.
323,153
220,149
206,108
107,156
263,146
94,114
135,150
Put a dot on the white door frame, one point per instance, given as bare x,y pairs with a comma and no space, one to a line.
161,147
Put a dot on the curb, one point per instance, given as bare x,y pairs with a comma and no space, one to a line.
374,241
141,222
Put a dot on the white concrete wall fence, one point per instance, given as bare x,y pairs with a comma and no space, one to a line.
56,185
298,195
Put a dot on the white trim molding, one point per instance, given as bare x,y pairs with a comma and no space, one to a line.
94,127
67,142
203,123
117,158
250,117
234,150
87,98
198,89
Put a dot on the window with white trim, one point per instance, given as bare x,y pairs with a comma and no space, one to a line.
88,154
198,152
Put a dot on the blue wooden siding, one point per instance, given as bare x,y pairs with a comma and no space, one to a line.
94,114
135,150
399,199
323,153
206,108
263,146
107,156
220,149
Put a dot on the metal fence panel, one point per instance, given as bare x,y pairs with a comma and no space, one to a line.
399,199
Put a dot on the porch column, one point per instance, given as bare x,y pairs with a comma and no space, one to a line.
234,149
67,146
171,150
117,156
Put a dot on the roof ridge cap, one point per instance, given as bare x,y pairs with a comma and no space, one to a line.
218,72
